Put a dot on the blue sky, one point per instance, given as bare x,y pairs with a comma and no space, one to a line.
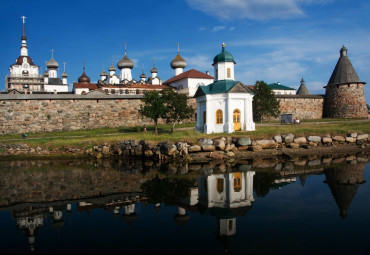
271,40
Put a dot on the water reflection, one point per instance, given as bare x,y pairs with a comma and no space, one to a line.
223,192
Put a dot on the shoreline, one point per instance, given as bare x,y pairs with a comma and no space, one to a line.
206,149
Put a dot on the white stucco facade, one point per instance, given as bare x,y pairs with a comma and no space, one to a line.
208,105
190,84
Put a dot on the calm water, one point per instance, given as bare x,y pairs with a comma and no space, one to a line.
305,206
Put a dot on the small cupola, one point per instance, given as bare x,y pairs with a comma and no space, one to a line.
84,78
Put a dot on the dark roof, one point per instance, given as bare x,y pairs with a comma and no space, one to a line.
192,73
278,86
223,86
302,90
90,86
55,81
344,72
20,60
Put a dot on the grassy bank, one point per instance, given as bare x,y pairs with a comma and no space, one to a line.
86,138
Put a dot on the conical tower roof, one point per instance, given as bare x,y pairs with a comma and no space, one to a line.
302,90
344,72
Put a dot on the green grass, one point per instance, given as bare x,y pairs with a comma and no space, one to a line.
88,138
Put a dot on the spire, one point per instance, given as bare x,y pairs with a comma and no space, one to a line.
344,72
24,51
154,69
64,74
24,30
302,90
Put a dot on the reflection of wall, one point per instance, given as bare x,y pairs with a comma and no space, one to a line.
344,182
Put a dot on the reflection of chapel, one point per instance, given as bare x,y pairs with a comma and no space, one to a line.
225,105
226,196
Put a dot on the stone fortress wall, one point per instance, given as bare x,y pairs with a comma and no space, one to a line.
27,113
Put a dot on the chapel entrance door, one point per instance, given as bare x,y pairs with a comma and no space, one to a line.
236,119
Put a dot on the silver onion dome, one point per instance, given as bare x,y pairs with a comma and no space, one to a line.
178,62
52,64
125,62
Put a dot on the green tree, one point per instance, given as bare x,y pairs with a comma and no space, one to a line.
177,107
153,107
265,104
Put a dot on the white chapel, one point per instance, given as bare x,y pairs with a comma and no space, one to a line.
225,105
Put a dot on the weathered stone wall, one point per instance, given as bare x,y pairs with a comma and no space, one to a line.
39,115
345,101
303,107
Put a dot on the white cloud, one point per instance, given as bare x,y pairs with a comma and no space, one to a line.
218,28
232,28
199,62
249,9
202,28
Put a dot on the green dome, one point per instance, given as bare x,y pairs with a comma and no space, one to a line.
224,56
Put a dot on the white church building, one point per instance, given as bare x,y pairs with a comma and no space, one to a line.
224,106
24,74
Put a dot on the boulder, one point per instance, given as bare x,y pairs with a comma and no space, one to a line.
327,140
300,140
350,139
314,138
208,148
216,155
363,137
265,144
256,148
243,141
294,145
230,154
288,138
219,144
194,148
278,138
338,138
205,141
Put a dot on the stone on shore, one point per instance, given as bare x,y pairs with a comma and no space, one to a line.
244,141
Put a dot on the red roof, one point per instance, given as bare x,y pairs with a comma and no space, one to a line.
189,74
136,86
90,86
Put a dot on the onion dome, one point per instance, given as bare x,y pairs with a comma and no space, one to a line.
125,62
143,75
103,73
154,70
64,74
224,56
52,64
84,78
178,62
112,68
46,73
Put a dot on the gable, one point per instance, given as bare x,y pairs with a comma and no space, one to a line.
239,88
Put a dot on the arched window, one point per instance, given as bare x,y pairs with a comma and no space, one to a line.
228,73
237,182
216,74
219,119
220,185
204,117
126,91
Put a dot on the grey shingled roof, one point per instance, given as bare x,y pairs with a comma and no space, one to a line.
344,72
303,90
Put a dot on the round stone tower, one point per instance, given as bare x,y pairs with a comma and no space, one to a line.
344,95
